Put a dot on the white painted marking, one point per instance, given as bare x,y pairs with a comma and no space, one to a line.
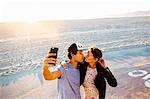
147,83
137,73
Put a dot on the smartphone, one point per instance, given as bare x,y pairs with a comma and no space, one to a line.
54,50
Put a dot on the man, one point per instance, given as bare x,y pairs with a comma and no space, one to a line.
69,79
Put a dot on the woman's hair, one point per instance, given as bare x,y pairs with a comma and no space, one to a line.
97,53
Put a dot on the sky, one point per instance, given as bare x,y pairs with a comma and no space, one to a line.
37,10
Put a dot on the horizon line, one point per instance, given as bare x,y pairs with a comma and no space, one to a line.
74,19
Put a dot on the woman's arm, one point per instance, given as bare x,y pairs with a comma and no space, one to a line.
107,73
110,77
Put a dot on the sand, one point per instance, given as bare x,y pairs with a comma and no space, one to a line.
29,86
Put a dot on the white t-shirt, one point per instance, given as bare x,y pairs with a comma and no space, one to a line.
91,91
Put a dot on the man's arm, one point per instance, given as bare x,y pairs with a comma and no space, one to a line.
48,75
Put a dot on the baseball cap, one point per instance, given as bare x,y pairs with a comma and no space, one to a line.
75,47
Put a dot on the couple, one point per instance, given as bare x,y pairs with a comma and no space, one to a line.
89,71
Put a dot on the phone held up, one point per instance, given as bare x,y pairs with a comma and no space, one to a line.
53,50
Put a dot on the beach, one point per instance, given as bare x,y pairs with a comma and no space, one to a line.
125,43
30,86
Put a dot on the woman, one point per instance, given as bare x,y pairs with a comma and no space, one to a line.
93,73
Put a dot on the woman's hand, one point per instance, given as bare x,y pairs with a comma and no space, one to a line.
102,63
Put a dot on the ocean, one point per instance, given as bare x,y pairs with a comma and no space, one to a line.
119,38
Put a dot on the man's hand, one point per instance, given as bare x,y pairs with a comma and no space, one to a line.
102,62
49,61
64,64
